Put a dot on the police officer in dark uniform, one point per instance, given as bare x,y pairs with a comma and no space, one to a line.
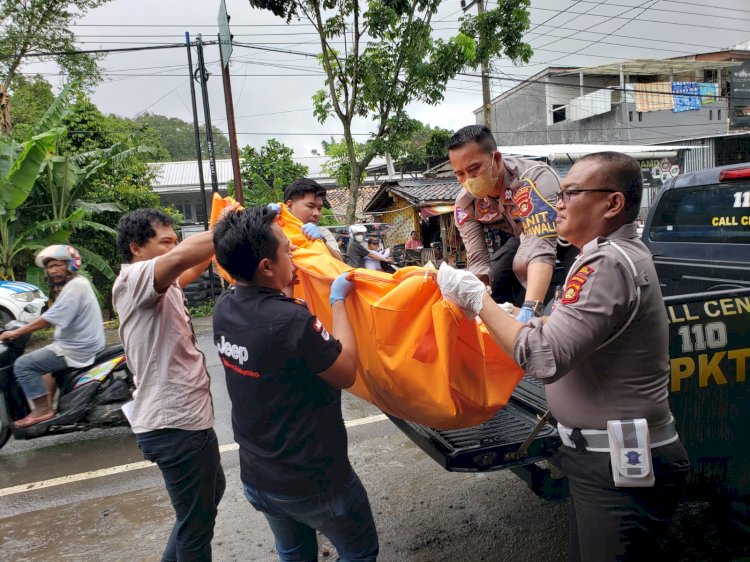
284,373
603,355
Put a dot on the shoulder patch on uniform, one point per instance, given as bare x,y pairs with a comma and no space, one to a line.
575,284
522,198
461,215
318,327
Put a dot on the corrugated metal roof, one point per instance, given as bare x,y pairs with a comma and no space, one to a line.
185,174
650,67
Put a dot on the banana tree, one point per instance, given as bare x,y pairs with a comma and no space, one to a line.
20,165
41,190
65,178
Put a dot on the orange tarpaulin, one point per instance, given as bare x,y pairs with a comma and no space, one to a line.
420,359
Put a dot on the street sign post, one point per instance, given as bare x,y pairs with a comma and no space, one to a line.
225,51
225,38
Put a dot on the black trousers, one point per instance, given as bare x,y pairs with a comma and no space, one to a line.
609,523
191,466
505,285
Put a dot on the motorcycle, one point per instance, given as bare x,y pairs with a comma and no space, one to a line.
89,397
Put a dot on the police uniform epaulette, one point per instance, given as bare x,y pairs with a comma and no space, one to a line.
594,245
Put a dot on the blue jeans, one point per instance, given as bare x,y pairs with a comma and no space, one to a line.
342,514
30,367
191,466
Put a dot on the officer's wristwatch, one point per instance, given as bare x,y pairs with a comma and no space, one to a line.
537,307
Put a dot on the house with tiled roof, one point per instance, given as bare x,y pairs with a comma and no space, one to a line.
424,205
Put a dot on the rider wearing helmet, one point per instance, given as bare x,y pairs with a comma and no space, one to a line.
79,330
357,252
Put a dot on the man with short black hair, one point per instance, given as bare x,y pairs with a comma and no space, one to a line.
603,355
512,199
173,414
305,199
284,373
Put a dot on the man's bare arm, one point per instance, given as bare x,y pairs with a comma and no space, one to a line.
38,323
538,278
187,254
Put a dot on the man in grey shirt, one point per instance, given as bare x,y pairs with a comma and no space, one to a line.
603,355
79,331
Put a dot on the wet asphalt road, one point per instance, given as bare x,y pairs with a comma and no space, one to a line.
423,513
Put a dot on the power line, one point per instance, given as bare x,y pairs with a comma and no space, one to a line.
681,24
704,5
112,50
630,20
691,45
559,12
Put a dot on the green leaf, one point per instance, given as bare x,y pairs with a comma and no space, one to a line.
95,261
59,109
92,208
24,171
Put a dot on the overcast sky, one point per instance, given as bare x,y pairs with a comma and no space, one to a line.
272,90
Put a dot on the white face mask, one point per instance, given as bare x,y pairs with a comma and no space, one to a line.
481,186
359,237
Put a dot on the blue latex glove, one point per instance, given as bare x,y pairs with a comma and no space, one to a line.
312,231
275,207
340,288
525,315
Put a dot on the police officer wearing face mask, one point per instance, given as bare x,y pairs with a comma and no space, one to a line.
512,197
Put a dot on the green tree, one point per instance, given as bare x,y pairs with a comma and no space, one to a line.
339,166
87,127
32,28
266,172
178,137
390,59
129,184
425,146
31,98
43,191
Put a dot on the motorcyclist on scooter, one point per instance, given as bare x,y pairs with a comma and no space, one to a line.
79,330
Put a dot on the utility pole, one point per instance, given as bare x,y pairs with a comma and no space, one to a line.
202,75
225,52
486,106
197,132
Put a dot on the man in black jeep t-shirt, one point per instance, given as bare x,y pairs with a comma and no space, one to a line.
284,373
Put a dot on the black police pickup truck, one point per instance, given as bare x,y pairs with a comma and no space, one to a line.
698,230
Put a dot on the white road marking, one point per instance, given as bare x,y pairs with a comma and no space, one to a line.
32,486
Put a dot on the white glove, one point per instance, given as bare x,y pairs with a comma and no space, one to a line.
461,287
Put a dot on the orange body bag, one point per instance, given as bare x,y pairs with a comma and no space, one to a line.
419,357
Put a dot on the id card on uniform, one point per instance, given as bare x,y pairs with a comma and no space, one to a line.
630,453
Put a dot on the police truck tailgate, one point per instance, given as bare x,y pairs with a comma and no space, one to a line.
492,444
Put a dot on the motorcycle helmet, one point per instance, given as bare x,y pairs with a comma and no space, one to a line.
358,231
61,252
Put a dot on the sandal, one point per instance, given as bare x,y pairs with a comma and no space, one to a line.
32,419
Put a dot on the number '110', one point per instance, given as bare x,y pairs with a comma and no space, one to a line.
713,335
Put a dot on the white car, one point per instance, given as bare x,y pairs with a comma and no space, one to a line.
20,301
